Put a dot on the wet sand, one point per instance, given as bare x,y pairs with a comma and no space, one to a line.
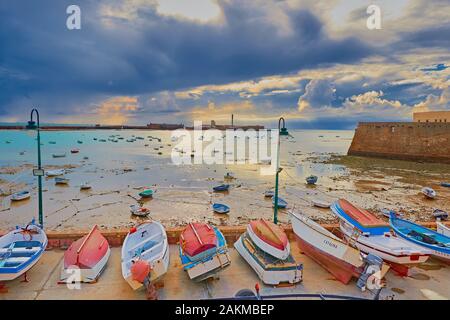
184,193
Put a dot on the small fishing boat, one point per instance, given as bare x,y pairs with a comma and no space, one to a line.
220,208
445,184
269,193
270,238
311,179
442,229
52,142
139,211
271,270
89,255
20,250
102,140
74,151
59,155
79,141
441,214
203,251
229,175
222,187
85,186
61,180
145,254
95,139
438,244
281,202
330,252
21,153
320,203
147,193
372,235
22,195
85,158
428,192
54,173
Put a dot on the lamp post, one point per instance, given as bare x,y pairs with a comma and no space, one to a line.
32,125
281,131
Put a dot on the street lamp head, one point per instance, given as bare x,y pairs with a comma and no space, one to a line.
31,125
283,131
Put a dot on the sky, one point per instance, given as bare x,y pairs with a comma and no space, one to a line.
177,61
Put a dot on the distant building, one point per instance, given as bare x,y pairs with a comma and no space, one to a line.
432,116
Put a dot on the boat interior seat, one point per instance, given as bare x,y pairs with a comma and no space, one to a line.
152,249
143,242
14,261
21,252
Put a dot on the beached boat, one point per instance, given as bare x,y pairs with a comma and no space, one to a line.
74,151
203,251
271,270
59,155
320,203
85,186
220,208
139,211
269,193
428,192
222,187
281,202
229,175
54,173
442,229
145,246
20,249
61,180
89,254
148,193
440,214
22,195
311,179
445,184
437,243
270,238
372,235
332,253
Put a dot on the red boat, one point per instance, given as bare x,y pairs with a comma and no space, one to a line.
74,150
89,254
270,238
198,240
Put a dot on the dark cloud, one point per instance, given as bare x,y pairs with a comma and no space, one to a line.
43,62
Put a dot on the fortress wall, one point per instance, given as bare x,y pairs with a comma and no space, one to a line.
402,140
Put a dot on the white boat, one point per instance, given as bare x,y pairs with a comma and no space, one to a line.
271,271
147,243
22,195
61,180
270,238
321,203
89,255
332,253
20,250
428,192
59,155
372,235
85,186
54,173
442,229
139,211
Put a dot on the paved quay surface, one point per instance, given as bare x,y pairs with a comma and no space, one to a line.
430,281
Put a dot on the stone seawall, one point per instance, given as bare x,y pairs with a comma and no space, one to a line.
429,142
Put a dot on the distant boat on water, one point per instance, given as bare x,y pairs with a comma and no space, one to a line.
59,155
74,151
52,142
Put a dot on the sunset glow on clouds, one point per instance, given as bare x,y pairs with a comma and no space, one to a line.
140,61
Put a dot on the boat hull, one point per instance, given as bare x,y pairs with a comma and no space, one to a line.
335,256
442,229
86,275
281,254
270,272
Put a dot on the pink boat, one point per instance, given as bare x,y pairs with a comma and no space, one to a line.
89,254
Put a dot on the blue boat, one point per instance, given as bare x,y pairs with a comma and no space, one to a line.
222,187
208,265
311,179
281,202
439,244
220,208
445,184
20,250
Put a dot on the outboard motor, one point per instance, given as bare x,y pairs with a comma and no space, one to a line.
373,265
